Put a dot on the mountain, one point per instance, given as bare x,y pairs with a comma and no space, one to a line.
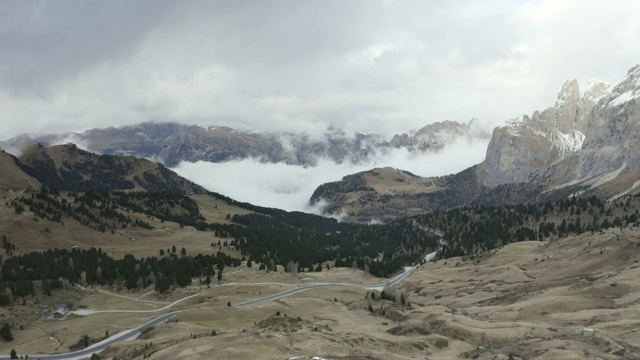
436,136
385,194
171,143
528,145
69,168
77,198
587,143
13,178
610,156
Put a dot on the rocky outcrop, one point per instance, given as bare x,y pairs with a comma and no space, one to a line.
438,135
612,139
526,146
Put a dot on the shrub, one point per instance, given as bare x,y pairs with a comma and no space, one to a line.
441,343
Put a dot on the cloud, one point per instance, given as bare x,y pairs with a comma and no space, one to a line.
290,187
383,66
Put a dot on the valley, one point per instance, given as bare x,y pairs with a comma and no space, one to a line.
508,282
326,180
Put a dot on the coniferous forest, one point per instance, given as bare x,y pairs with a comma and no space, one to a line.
270,237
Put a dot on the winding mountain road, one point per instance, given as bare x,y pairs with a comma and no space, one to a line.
134,333
98,347
407,271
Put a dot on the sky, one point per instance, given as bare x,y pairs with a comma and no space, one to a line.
385,66
370,66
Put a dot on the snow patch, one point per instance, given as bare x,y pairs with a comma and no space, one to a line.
570,142
622,98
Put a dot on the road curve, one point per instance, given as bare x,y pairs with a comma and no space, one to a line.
97,348
132,334
407,271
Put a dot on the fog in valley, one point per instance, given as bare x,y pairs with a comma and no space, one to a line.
289,187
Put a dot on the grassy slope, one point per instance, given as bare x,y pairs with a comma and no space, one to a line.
12,177
529,299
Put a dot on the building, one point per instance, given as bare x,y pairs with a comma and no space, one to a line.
62,311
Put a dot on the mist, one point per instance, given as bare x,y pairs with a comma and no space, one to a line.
289,187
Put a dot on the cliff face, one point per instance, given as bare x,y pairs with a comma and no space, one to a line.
612,139
526,146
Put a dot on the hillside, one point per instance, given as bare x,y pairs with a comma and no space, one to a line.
146,249
69,168
386,194
124,204
12,177
529,300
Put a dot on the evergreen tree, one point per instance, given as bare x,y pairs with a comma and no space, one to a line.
5,332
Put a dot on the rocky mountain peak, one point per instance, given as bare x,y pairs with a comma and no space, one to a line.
566,107
595,91
527,145
570,92
626,90
615,120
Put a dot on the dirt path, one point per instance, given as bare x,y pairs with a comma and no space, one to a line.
85,312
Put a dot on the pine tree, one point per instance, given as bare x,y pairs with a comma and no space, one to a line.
5,332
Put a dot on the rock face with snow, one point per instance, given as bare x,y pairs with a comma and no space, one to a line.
172,143
612,139
527,145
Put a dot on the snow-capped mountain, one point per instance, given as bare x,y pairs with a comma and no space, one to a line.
610,154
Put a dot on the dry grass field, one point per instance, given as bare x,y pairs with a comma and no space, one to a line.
528,300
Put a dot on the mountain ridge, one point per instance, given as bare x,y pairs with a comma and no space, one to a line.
172,143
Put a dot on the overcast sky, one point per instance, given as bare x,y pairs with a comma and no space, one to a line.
368,66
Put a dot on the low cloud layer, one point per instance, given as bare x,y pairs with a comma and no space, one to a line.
302,66
289,187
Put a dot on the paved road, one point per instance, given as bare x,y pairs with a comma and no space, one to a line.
407,271
96,348
132,334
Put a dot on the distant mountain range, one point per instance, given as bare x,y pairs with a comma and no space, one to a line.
172,143
587,143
